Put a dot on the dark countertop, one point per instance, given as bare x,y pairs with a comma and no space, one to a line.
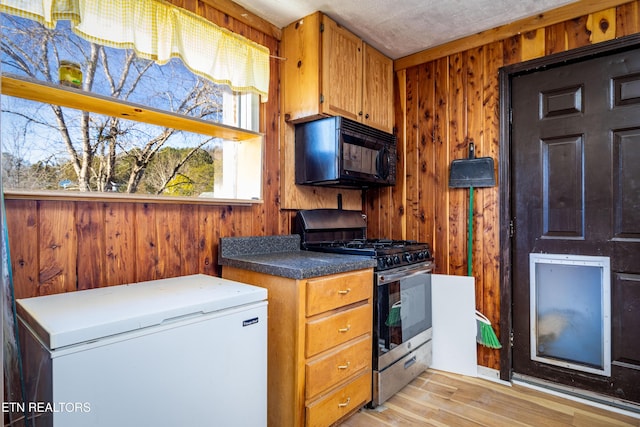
281,256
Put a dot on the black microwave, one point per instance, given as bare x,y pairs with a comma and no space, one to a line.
339,152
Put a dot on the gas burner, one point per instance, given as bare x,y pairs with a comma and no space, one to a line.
358,244
344,232
388,253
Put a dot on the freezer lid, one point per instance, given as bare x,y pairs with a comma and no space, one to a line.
66,319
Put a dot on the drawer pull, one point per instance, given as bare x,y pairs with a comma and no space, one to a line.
343,367
346,403
346,329
344,291
410,362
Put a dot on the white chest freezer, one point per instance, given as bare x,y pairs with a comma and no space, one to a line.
174,352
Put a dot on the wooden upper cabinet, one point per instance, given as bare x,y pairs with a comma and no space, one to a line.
377,101
330,71
341,78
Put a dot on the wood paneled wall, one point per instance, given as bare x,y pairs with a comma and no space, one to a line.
61,246
442,104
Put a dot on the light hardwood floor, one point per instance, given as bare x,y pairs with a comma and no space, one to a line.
438,398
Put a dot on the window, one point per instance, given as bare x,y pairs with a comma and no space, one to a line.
86,118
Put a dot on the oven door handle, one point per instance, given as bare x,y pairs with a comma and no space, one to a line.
405,274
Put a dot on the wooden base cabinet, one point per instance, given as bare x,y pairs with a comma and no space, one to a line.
319,345
330,71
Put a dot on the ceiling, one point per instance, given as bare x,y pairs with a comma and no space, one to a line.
402,27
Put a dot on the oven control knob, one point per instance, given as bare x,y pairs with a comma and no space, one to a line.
396,259
389,261
420,255
408,257
381,263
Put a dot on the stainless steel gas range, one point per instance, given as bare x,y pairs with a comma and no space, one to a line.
402,328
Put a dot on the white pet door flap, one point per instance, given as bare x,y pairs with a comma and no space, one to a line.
571,311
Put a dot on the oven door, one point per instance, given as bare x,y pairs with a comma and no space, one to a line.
402,315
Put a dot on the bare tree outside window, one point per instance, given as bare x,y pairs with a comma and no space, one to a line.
46,146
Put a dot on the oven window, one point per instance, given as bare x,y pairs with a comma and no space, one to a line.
404,310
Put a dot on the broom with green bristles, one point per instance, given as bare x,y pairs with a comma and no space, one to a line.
485,334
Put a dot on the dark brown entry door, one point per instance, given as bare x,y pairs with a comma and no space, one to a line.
575,171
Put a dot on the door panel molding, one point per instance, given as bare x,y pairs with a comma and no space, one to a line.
561,102
626,294
626,90
626,186
562,187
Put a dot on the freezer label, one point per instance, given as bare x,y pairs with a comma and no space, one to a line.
249,322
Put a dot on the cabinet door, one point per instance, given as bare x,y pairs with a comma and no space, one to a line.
341,83
377,89
301,71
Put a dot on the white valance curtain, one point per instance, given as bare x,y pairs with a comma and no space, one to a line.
158,31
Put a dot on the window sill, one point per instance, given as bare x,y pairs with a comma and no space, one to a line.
47,93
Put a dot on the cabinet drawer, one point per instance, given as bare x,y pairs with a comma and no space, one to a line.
327,293
332,407
330,331
325,372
